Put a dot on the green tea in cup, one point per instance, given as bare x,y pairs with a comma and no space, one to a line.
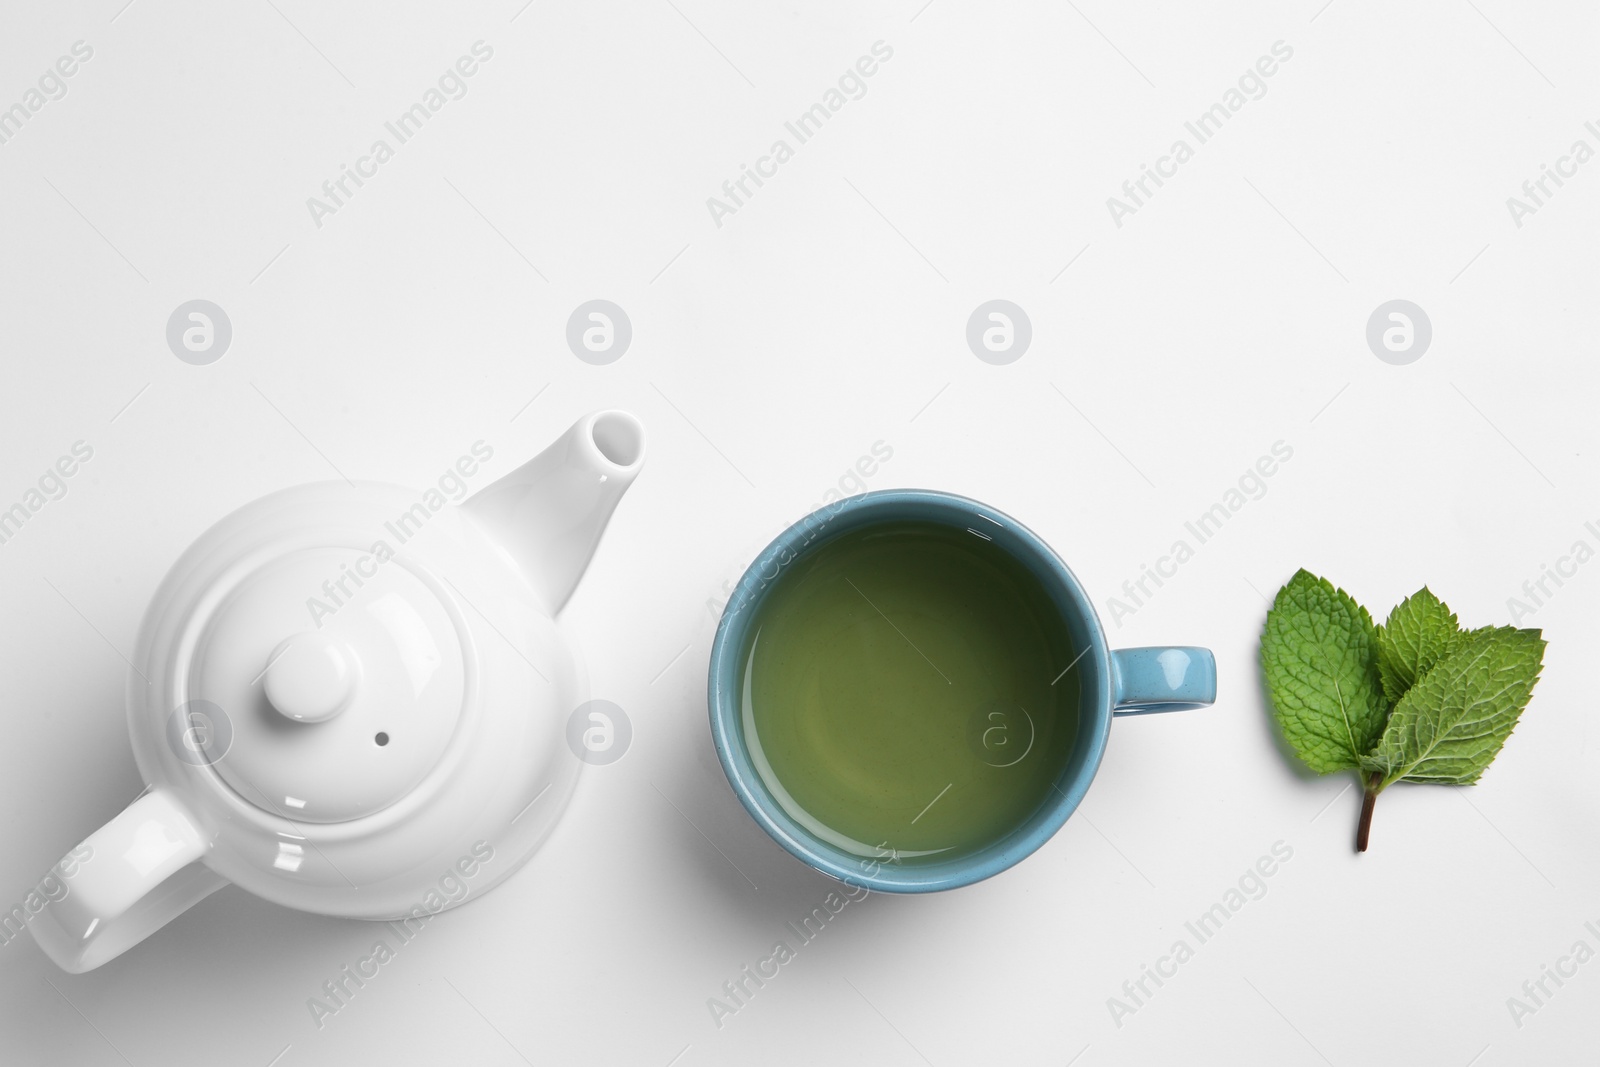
900,691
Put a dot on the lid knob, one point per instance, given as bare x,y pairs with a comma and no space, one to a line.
311,677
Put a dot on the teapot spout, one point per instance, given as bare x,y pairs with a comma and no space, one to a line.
546,517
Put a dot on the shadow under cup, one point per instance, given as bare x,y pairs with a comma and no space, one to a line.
1058,785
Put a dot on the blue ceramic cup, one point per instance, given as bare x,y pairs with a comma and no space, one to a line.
1130,681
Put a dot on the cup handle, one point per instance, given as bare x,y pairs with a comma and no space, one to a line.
127,880
1146,680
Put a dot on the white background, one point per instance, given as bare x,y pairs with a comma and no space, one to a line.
768,355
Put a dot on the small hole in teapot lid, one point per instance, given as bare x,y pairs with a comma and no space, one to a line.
382,739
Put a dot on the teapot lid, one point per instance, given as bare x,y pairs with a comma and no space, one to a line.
335,676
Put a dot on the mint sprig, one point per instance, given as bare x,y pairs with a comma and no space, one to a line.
1415,700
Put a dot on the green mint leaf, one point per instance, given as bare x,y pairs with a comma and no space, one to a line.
1452,723
1319,653
1419,633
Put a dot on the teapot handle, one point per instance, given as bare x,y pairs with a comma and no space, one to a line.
127,880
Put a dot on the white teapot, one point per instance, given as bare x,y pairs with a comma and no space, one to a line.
352,699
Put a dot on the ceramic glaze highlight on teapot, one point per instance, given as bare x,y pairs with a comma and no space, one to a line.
341,689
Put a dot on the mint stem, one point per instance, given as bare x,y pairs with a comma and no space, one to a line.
1368,800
